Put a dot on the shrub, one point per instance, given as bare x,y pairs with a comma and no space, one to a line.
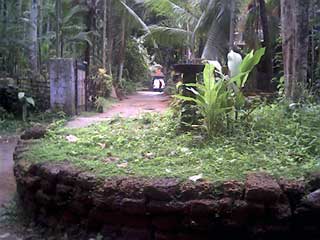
220,96
136,63
101,82
100,103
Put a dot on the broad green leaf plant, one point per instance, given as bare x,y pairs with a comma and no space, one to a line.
220,95
26,102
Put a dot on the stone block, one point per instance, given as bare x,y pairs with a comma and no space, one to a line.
314,181
133,206
199,190
294,190
164,207
162,189
201,207
232,189
312,200
262,188
166,223
35,132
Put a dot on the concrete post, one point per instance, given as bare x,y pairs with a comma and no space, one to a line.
62,85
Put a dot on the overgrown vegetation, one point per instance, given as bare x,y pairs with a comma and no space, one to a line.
277,139
9,124
220,97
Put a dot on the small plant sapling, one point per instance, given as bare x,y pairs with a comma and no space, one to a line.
100,104
26,102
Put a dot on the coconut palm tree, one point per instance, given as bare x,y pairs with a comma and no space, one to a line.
194,21
295,36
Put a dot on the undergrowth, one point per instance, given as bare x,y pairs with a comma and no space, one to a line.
277,140
14,125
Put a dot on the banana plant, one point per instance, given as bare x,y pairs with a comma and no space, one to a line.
220,94
213,98
239,71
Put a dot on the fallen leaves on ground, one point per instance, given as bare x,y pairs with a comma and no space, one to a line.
72,138
102,145
122,165
196,177
111,159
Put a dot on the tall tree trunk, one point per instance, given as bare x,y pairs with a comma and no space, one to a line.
5,14
94,39
110,37
48,27
122,47
295,37
110,48
58,29
40,32
87,59
267,61
232,24
104,33
313,41
19,7
33,36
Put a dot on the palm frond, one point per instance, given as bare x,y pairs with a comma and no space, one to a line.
82,37
172,10
169,37
74,11
131,13
216,22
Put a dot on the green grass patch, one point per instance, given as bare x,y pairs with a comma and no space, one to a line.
13,125
277,140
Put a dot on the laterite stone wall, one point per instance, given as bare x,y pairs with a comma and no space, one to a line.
39,89
168,209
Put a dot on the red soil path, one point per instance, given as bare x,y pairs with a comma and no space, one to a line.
7,182
133,106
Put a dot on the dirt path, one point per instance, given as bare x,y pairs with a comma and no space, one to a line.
133,106
7,186
7,181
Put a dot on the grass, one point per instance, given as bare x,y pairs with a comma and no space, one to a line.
277,140
13,125
107,104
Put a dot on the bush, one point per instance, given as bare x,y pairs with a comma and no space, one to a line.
4,115
101,83
220,96
9,99
136,63
128,86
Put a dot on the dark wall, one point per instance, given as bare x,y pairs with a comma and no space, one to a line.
165,209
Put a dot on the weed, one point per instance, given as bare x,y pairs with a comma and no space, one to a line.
278,140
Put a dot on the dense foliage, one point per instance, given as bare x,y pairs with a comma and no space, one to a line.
220,97
101,32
